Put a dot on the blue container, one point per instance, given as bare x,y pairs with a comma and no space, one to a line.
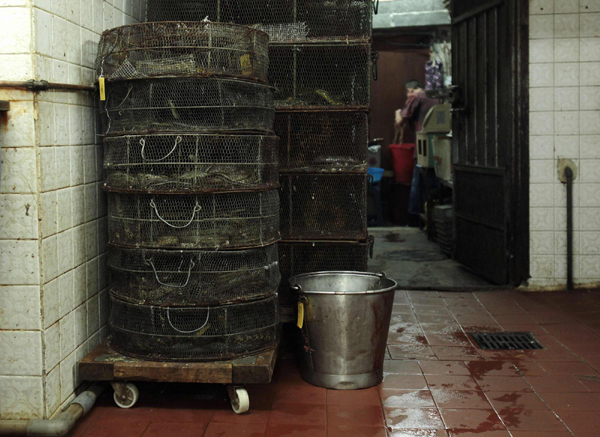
377,174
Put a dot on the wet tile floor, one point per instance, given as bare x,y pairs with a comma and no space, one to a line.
437,383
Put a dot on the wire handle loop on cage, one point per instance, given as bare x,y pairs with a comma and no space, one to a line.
178,140
376,6
197,208
188,332
192,265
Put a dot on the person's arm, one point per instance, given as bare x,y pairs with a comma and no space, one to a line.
410,107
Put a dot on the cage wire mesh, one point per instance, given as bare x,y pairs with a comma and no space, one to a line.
196,333
193,277
201,221
296,258
191,163
183,105
323,19
151,50
322,142
321,75
319,206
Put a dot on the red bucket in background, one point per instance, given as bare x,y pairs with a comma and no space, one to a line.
404,162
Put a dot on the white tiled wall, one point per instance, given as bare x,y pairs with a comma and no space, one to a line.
565,123
53,276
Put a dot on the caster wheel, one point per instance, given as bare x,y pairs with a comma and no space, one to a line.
240,401
129,398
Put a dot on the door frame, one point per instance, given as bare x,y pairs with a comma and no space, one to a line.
517,218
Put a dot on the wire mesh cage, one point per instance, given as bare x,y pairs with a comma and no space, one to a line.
321,75
193,277
187,105
194,334
318,206
191,163
201,221
330,19
296,258
196,49
322,142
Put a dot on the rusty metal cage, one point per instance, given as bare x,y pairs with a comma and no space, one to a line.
190,163
201,221
322,142
194,333
187,105
323,19
189,49
321,76
193,277
296,258
322,206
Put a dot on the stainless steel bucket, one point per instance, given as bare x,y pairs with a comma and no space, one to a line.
345,327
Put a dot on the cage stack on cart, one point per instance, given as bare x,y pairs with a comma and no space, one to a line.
192,177
320,65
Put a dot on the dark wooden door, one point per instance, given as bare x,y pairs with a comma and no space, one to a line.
490,128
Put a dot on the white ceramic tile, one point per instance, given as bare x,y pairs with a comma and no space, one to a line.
18,170
21,353
50,303
19,262
567,74
560,242
566,26
19,128
43,28
590,122
93,314
541,123
560,268
542,243
16,26
78,197
541,51
566,122
48,213
67,335
45,123
541,7
74,12
18,216
59,35
87,14
541,147
76,121
566,50
567,146
80,320
89,127
98,18
50,258
566,6
49,173
65,209
541,75
63,128
590,25
560,193
590,49
51,347
52,391
67,377
590,146
91,274
79,285
542,266
22,397
590,243
560,219
65,251
590,73
541,26
566,99
541,195
541,99
590,267
65,292
108,16
20,307
590,171
590,219
91,240
541,219
542,171
590,195
590,98
590,6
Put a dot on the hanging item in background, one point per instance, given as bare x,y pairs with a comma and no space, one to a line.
434,75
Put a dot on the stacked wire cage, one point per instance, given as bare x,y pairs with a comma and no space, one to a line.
191,166
321,66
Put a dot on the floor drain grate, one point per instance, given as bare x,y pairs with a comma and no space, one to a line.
506,340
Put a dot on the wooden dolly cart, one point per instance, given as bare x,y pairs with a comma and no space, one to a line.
106,364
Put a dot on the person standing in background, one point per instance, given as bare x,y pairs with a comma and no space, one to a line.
413,114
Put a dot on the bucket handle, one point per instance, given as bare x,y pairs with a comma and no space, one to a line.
381,275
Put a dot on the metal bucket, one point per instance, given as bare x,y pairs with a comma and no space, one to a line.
345,327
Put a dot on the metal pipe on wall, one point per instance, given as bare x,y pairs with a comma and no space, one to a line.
44,85
569,177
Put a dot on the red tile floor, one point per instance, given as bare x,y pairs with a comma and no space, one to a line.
436,382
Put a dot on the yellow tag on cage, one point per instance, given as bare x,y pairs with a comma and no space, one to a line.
300,315
246,65
102,87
